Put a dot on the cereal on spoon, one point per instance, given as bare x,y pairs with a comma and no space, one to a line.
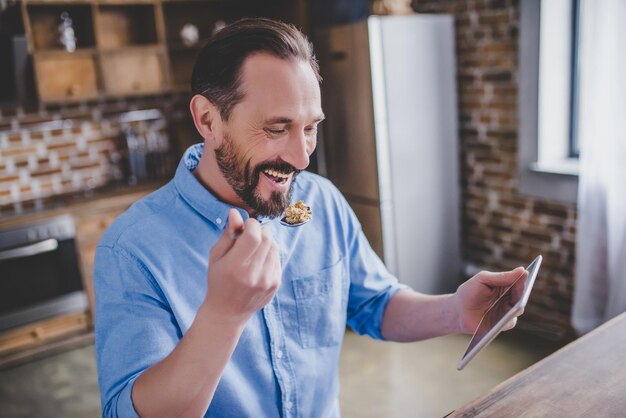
298,213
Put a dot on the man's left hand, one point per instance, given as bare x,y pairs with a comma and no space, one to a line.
477,294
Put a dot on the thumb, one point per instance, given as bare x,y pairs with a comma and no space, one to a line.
227,240
500,279
235,224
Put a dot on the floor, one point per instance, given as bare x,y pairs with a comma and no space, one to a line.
421,380
378,379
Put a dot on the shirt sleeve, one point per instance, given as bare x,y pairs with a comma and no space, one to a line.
134,327
371,285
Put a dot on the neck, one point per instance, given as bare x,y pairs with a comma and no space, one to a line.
210,176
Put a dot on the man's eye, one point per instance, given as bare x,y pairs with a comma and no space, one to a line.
275,131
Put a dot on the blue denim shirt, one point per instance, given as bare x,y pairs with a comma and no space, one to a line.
151,278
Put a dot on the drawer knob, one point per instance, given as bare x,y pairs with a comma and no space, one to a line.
38,333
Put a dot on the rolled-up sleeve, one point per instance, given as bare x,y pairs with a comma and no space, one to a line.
134,327
371,285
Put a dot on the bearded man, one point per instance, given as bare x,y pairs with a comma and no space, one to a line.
206,305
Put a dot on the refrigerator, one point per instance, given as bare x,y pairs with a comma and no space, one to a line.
390,140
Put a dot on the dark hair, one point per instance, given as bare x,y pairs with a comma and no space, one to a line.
217,72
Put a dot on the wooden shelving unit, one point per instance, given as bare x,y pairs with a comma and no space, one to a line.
120,49
126,48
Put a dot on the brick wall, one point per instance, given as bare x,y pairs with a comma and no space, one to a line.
47,152
500,227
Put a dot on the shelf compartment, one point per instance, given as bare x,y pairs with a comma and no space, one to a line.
119,25
204,15
134,71
66,76
44,21
181,66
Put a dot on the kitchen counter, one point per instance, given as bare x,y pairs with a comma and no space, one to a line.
586,378
76,204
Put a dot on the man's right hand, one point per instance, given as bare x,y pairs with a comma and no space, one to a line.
244,273
244,270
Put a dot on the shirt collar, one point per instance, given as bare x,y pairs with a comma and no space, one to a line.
196,195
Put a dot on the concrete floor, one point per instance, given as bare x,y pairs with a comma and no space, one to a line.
382,379
378,379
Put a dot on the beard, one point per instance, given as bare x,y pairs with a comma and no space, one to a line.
244,179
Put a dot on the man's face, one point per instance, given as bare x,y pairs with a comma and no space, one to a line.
271,133
244,179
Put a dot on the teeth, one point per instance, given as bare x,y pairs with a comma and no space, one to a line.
276,174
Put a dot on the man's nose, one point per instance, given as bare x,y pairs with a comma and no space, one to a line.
298,151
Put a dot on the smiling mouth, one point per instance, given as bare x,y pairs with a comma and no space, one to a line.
277,176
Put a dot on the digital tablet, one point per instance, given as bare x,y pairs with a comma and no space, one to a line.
509,305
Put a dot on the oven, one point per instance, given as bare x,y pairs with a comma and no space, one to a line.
39,272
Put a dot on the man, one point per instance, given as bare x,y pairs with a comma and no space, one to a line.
205,303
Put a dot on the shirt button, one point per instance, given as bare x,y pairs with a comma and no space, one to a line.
218,221
288,405
279,354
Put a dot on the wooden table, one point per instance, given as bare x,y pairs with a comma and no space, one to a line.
586,378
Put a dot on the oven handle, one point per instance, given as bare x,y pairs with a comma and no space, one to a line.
28,250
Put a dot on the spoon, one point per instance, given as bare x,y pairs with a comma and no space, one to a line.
284,222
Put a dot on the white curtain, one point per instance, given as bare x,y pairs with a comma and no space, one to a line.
600,284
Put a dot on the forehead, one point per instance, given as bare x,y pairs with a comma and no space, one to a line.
280,87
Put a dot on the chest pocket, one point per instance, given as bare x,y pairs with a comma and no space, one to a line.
321,306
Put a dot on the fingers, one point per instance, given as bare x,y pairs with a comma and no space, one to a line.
266,262
269,266
500,279
510,325
235,223
263,249
226,241
273,260
248,241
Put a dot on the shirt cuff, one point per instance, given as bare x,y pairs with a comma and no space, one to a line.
124,405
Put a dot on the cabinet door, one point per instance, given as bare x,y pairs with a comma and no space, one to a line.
133,72
65,77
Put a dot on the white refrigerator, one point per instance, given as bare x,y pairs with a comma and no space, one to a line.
390,140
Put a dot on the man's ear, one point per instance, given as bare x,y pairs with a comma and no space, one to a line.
206,117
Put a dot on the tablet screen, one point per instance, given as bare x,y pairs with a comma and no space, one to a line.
512,300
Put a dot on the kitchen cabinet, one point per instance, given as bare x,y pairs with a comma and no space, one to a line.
88,49
20,344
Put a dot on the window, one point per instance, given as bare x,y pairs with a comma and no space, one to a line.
574,149
548,99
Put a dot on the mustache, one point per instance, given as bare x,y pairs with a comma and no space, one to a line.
280,166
